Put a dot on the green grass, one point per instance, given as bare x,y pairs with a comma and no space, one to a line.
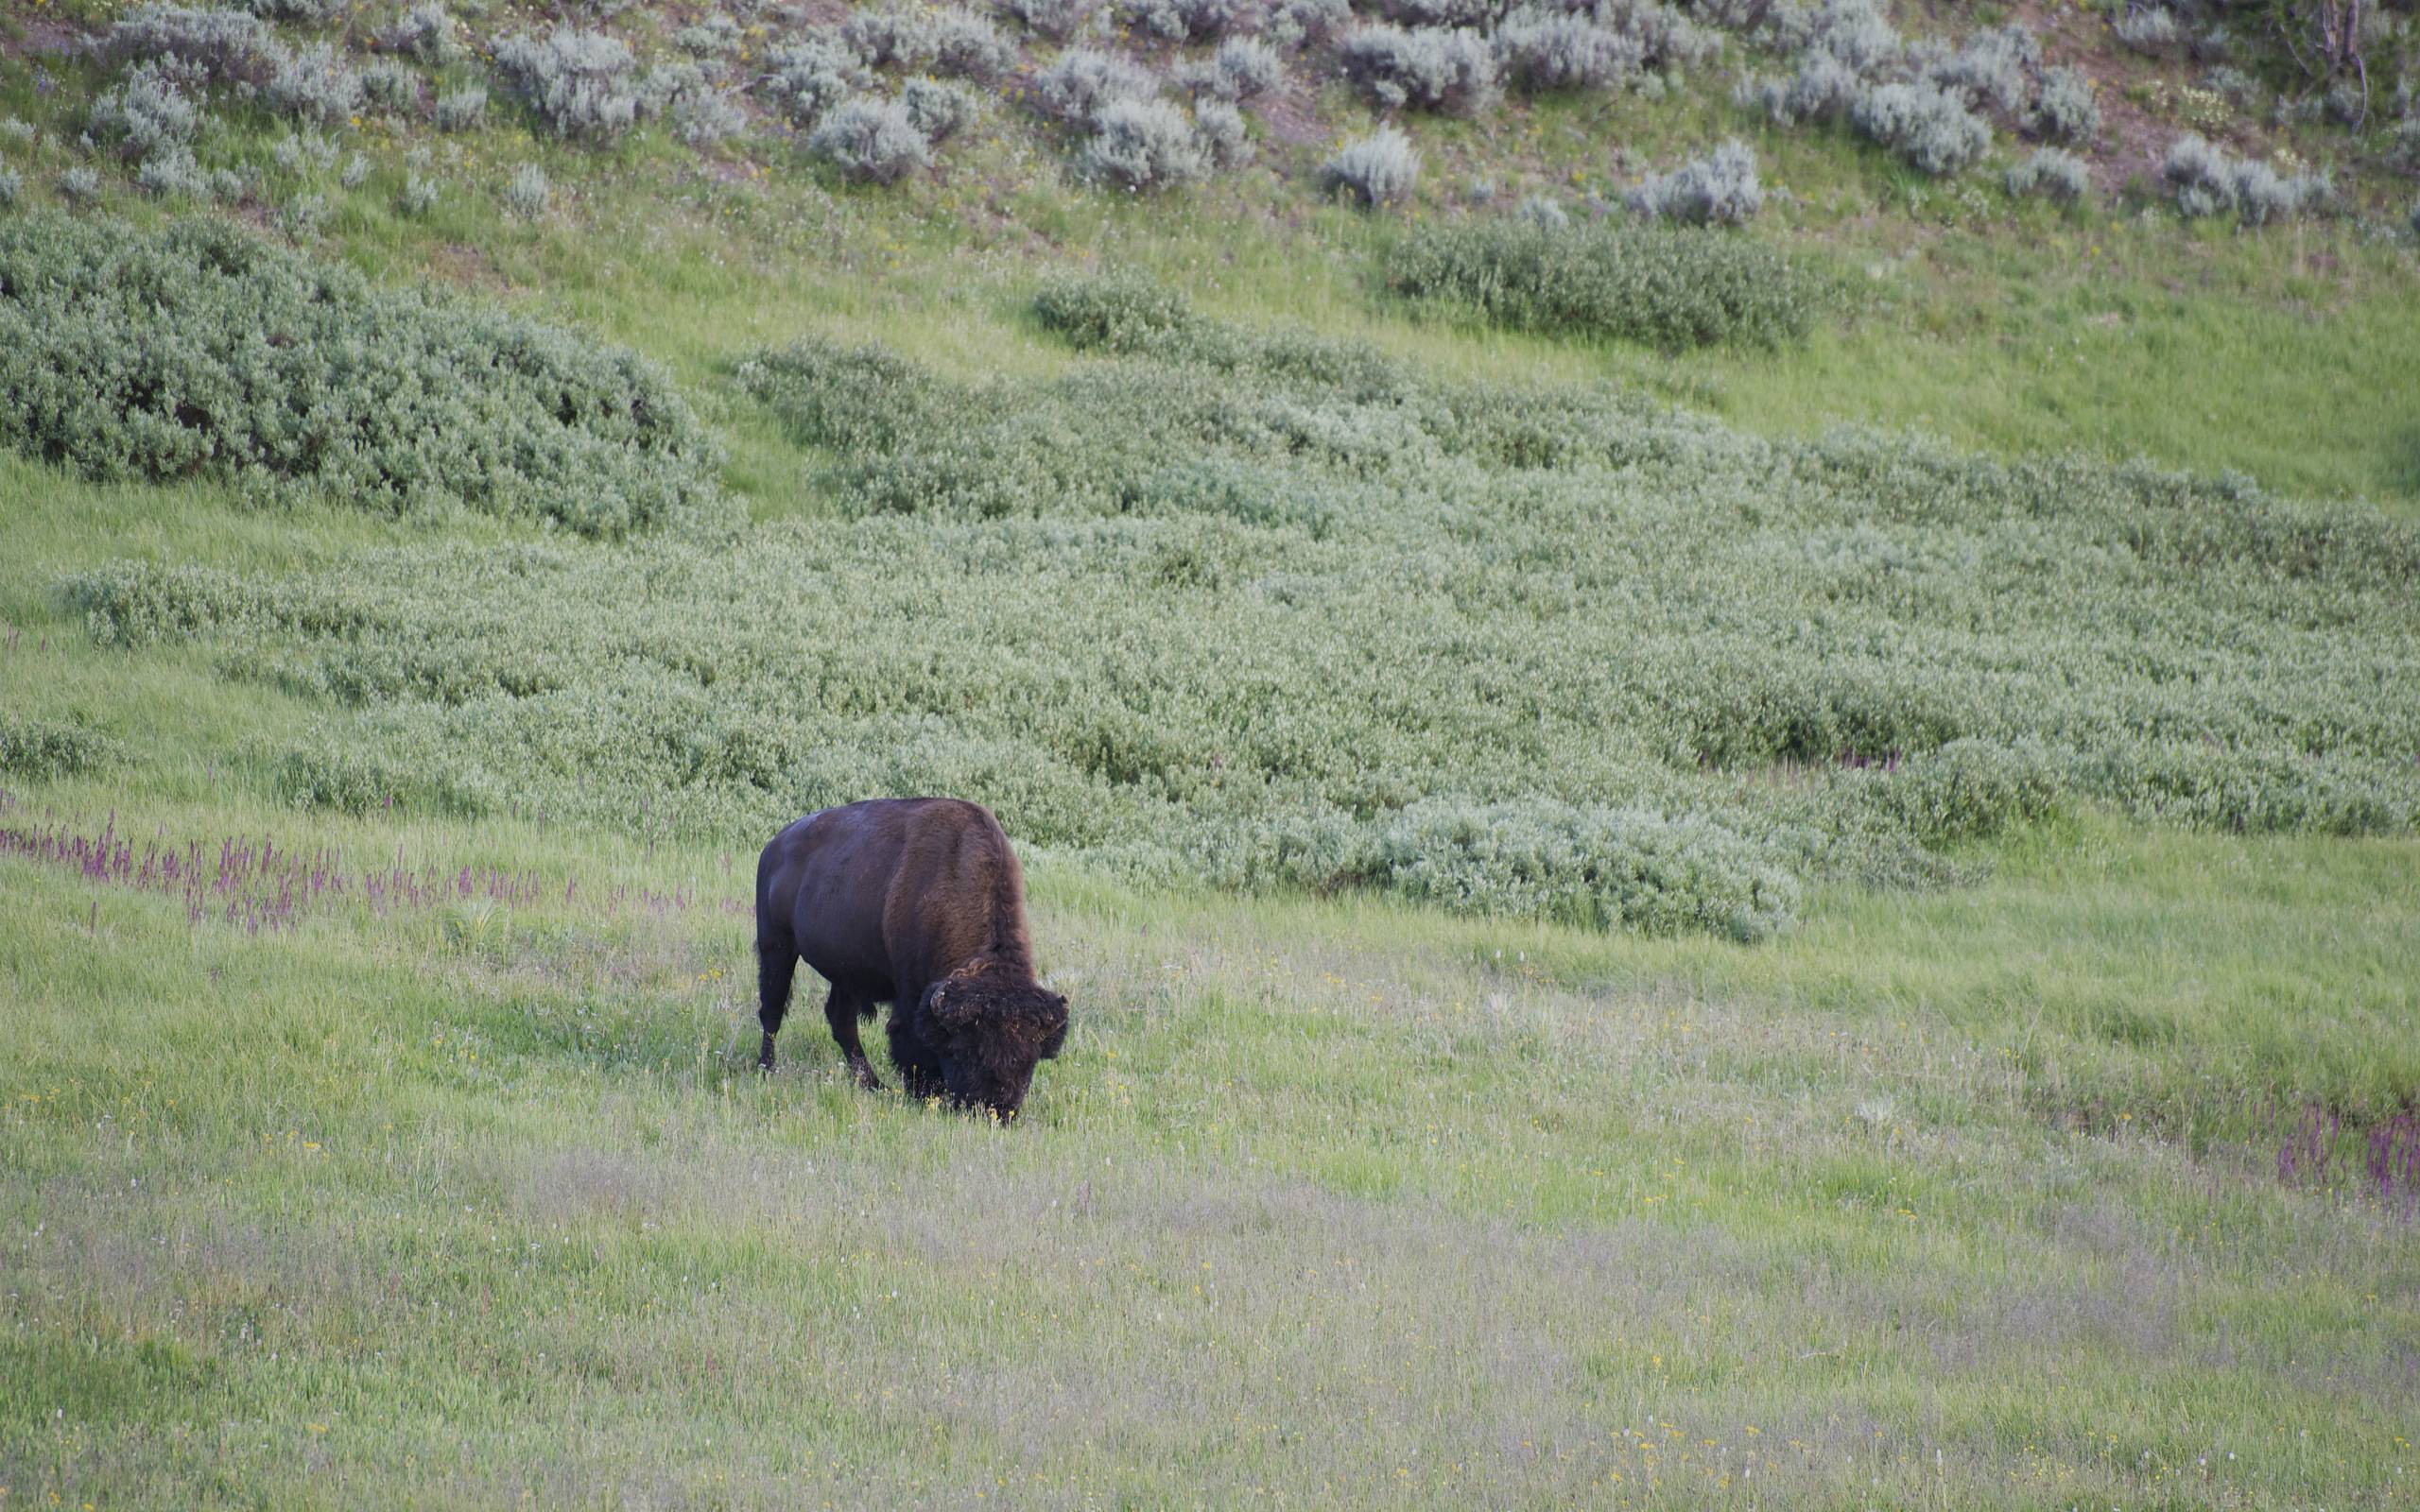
1338,1200
1966,1196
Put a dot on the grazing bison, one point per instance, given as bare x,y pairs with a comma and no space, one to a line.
918,902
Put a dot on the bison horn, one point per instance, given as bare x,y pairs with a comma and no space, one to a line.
948,1009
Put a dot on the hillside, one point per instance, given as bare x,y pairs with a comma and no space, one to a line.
1726,790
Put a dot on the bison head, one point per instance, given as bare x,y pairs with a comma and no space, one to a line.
990,1036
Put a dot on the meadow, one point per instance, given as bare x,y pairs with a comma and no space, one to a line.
1800,894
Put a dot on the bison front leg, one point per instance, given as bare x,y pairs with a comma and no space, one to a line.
843,1012
920,1065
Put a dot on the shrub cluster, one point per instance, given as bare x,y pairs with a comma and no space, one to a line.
2064,109
41,751
582,85
1452,72
2059,176
1183,20
1150,144
1929,125
426,33
1542,51
1549,652
202,351
2209,182
1242,68
1671,287
805,79
195,48
1378,169
872,140
1082,81
1718,190
1058,20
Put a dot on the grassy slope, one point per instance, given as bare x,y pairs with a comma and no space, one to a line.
1969,1197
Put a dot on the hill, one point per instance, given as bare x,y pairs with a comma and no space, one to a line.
1697,862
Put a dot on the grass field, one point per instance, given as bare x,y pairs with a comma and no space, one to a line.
359,1154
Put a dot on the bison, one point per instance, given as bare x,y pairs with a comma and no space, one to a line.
918,902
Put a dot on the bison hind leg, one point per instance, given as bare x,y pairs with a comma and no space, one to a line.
776,963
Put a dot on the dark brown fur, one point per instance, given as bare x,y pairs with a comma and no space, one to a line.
918,902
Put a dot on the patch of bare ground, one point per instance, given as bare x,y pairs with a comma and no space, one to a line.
35,37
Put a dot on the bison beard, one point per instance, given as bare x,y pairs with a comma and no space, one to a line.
918,902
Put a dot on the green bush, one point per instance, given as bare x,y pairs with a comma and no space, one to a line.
1260,610
202,351
41,750
1674,287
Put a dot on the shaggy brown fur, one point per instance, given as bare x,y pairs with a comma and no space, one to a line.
918,902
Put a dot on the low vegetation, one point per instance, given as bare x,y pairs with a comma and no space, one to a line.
1669,287
202,351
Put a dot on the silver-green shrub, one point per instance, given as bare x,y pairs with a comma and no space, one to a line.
1297,24
1930,127
426,32
2234,85
714,35
888,34
1144,146
315,84
300,216
704,116
1082,81
1242,68
2054,173
230,46
309,12
1221,126
1378,169
201,351
2064,109
419,196
937,109
389,85
1670,286
951,41
1822,89
1542,52
968,46
871,141
1542,210
807,79
147,108
1182,20
528,193
1059,20
1667,39
1452,72
460,110
2152,31
1721,189
1842,45
13,184
581,84
171,171
1992,68
2208,180
79,187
